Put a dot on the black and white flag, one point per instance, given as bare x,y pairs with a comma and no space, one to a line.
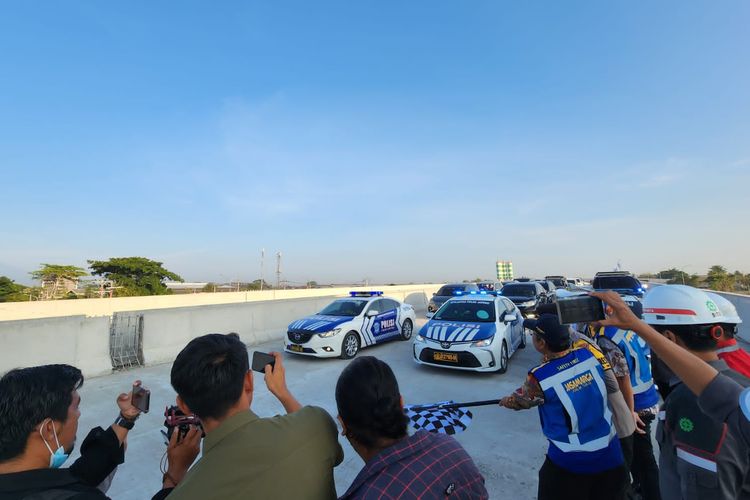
444,417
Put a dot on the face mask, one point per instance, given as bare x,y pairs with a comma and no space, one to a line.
57,457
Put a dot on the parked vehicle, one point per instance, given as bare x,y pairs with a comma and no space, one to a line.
526,296
449,291
558,281
622,282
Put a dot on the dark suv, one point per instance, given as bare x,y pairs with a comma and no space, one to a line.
549,289
448,291
525,295
621,282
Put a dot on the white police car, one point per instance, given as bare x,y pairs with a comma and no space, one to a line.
473,332
346,325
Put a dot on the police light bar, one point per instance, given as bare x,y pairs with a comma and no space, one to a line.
366,294
458,292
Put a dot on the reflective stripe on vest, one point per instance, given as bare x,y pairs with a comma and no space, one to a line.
640,373
729,348
701,462
589,371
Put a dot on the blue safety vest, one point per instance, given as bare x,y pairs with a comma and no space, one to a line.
575,416
636,353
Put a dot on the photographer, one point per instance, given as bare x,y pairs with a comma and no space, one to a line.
39,411
286,456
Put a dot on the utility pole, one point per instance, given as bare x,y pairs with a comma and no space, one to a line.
278,269
262,257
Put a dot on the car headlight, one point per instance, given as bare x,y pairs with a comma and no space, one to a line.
482,343
419,338
528,303
329,333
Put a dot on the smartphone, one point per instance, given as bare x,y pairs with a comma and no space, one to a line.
581,309
141,398
260,360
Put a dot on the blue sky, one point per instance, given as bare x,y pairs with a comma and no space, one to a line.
394,141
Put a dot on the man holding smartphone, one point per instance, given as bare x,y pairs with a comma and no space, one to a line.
39,411
244,455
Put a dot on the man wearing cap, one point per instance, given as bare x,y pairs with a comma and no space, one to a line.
584,459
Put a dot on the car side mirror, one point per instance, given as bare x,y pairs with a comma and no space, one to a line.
509,318
371,313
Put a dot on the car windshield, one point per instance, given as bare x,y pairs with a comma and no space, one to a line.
545,285
615,283
559,282
518,291
489,287
344,307
452,289
467,310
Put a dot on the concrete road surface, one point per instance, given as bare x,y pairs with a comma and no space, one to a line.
507,446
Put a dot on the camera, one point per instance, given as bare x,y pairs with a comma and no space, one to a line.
174,418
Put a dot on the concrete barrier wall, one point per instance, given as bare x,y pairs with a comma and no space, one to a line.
74,340
742,303
84,341
105,307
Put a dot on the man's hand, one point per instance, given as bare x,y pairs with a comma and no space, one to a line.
181,454
510,402
640,427
618,312
124,402
275,376
276,382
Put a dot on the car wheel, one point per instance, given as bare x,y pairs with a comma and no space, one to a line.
407,329
503,358
350,345
522,345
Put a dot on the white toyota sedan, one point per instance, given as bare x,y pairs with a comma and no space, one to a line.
346,325
472,332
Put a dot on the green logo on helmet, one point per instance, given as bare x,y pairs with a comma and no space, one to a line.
711,306
686,425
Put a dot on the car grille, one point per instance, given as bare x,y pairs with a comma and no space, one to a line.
299,336
465,359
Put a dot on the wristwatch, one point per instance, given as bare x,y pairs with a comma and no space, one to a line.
125,423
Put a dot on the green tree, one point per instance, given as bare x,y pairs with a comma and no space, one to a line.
255,285
676,276
719,279
10,291
134,275
56,279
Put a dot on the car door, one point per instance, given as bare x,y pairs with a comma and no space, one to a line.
380,321
516,326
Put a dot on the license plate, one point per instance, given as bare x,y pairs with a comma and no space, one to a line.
445,356
296,348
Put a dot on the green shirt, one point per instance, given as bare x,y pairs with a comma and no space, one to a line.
286,456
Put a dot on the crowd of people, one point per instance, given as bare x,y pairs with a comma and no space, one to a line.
598,389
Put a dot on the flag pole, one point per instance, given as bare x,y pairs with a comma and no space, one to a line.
450,406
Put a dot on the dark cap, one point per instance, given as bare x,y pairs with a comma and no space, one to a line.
549,328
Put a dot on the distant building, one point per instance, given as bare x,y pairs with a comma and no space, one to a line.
504,270
179,287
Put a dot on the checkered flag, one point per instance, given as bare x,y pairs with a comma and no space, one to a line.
444,418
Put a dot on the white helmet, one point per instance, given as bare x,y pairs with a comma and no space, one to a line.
680,305
727,308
